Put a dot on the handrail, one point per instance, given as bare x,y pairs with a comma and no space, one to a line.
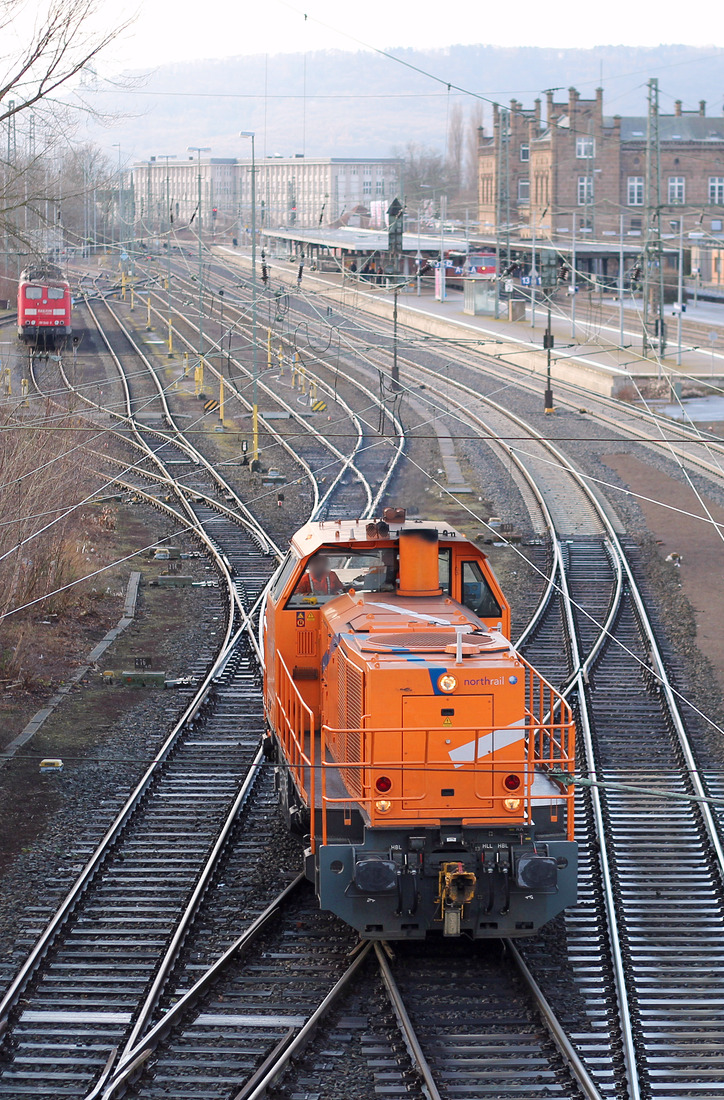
295,726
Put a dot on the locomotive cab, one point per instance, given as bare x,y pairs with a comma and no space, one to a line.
415,745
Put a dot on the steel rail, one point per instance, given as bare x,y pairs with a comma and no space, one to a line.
321,383
554,1027
395,421
405,1023
133,1058
265,540
346,460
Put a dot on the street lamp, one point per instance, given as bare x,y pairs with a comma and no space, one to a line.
254,405
117,145
199,149
167,157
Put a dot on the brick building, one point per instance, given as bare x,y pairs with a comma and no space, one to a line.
581,171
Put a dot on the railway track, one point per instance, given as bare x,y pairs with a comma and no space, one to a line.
597,586
352,482
103,960
630,948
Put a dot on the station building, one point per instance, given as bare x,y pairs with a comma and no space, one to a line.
302,192
579,171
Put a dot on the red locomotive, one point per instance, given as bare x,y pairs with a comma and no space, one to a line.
44,307
415,748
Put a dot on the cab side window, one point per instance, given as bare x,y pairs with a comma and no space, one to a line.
443,570
56,293
477,595
33,293
288,566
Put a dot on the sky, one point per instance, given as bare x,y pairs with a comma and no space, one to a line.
166,32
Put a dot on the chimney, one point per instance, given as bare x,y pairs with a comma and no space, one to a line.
572,101
549,107
702,108
677,108
536,113
419,576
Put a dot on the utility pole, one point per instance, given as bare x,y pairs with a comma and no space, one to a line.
573,277
653,265
548,345
254,405
395,365
620,279
199,149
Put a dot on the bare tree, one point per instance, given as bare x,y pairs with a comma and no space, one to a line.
43,174
455,146
61,43
472,140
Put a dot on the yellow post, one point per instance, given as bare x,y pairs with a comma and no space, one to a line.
8,382
148,312
170,337
186,364
221,400
312,391
199,377
255,432
268,349
133,302
24,391
303,379
281,361
123,285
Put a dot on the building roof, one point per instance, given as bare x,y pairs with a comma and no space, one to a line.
684,127
182,161
353,239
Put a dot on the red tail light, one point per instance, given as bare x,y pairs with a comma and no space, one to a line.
383,784
511,782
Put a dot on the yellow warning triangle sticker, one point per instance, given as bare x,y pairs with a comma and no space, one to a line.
447,722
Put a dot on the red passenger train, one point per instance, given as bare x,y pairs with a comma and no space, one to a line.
44,307
415,748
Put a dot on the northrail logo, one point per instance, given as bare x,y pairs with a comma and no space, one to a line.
485,681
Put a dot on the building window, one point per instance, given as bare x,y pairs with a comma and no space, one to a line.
636,190
716,190
677,190
367,187
585,190
525,151
585,148
380,187
716,225
523,190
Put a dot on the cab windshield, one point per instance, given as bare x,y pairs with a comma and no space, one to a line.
328,574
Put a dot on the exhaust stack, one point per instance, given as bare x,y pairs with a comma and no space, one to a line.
419,576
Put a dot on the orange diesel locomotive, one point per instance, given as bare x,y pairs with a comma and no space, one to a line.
415,748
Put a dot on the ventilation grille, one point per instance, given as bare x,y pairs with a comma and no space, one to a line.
349,717
306,643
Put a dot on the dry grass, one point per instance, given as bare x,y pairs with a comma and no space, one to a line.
44,547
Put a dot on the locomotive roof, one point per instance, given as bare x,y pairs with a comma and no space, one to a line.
347,532
49,274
